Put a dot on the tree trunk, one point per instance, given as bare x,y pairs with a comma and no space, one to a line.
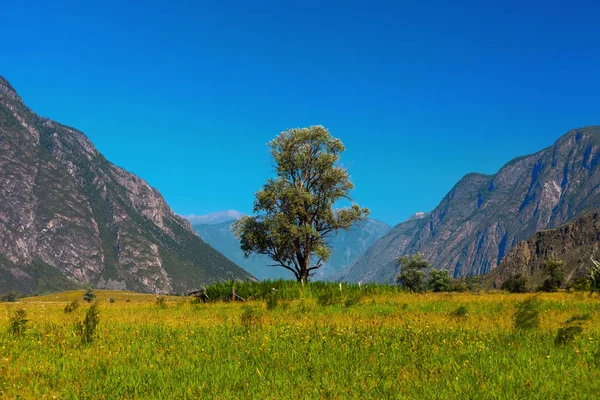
304,265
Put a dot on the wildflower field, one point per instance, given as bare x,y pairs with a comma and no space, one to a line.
376,345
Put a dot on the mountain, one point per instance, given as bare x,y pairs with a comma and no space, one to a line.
346,246
215,218
484,216
573,243
70,217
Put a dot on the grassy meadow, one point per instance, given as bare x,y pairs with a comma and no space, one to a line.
380,345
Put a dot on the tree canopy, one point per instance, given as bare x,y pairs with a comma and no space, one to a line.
294,211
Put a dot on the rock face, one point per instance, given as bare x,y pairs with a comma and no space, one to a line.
346,247
484,216
66,210
573,243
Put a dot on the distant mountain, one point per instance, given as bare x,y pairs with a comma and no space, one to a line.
484,216
70,217
215,218
346,246
573,243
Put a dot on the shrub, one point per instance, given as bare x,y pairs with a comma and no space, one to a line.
352,298
89,295
580,284
72,306
440,281
459,286
161,301
272,301
515,284
461,312
555,275
527,315
250,317
327,298
10,297
412,274
87,329
18,322
571,328
111,300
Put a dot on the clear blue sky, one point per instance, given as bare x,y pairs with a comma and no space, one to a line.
187,94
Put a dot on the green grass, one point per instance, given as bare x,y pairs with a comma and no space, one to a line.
392,345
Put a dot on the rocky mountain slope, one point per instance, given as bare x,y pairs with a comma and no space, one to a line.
573,243
68,216
484,216
346,246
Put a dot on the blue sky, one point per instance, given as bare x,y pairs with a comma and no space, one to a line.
187,94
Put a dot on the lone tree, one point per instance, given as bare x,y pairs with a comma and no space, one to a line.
555,275
412,274
294,211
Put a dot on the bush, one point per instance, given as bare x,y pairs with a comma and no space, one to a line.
440,281
594,277
272,301
555,275
89,295
111,300
527,315
352,298
412,273
579,284
161,301
461,312
250,317
571,328
72,306
87,329
459,286
18,322
10,297
515,284
327,298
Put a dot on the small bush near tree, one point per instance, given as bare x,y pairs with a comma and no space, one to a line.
554,272
412,274
89,295
18,323
527,315
459,286
440,281
516,283
87,329
10,297
72,306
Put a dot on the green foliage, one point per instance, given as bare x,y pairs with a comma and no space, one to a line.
10,297
161,301
87,329
579,283
272,301
555,275
459,286
295,212
594,277
89,295
18,322
250,317
111,300
515,284
461,312
527,316
412,275
328,298
570,329
440,280
72,306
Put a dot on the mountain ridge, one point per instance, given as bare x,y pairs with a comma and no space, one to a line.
64,205
483,216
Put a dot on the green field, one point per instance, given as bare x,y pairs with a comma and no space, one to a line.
383,346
